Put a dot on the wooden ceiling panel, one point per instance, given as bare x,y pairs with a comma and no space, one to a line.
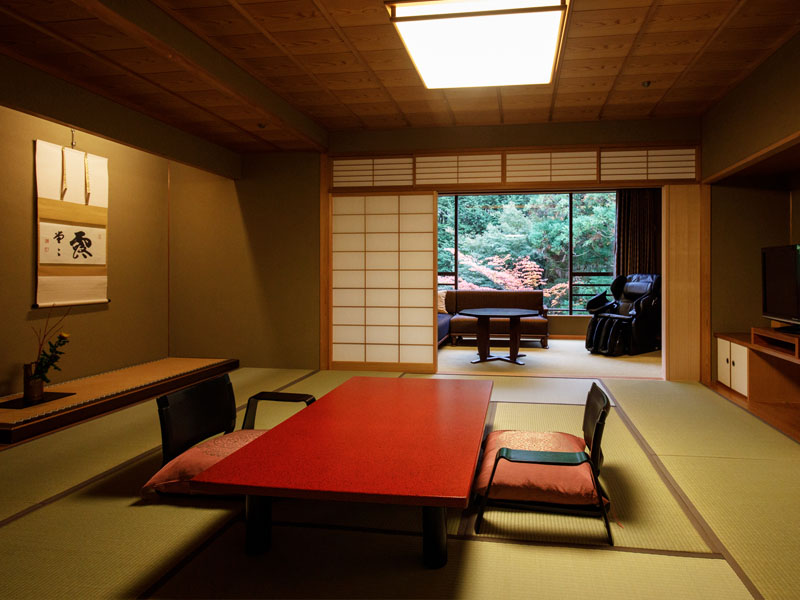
313,41
95,35
618,21
251,45
47,11
388,60
671,42
404,78
591,67
273,66
343,62
291,15
605,46
216,20
377,37
354,97
348,81
354,13
140,60
689,16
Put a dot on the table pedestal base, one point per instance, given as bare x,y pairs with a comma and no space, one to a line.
493,357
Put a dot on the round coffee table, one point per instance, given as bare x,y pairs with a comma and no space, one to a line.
514,331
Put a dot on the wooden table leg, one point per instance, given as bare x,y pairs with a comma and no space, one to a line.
514,335
434,536
483,340
258,524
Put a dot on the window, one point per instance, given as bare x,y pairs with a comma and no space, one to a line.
562,243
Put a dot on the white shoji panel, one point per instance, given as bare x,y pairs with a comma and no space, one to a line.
347,315
345,297
382,316
436,169
348,352
348,205
393,171
382,279
416,260
383,335
376,205
416,279
416,354
348,224
353,172
623,164
483,168
344,242
415,316
383,353
368,172
416,241
348,279
377,242
381,223
417,204
382,284
382,260
528,167
414,223
348,260
672,164
382,297
348,334
416,335
573,166
416,298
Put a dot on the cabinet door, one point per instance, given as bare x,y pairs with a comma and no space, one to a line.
724,362
739,369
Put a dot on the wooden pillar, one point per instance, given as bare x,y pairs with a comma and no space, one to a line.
686,282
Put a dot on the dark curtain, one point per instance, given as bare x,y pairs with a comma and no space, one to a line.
638,231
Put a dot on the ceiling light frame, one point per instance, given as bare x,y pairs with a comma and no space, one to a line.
513,59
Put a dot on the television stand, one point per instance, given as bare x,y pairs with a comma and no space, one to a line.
778,340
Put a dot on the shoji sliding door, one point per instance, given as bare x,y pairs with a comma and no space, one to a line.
383,282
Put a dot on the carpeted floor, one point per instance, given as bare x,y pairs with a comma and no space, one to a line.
563,358
704,491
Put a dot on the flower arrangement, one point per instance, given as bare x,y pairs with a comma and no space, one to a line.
46,358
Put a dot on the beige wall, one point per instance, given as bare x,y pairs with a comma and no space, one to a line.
743,220
760,112
244,262
132,328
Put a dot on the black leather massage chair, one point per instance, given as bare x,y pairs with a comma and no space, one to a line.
631,323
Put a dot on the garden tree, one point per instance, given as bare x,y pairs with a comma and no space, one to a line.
501,236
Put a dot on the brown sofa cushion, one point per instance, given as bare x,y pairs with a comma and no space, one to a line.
457,300
461,324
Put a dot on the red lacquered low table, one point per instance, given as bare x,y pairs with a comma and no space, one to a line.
372,439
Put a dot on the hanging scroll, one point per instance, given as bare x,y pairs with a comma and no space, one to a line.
72,226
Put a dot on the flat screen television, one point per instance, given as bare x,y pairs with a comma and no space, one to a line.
780,283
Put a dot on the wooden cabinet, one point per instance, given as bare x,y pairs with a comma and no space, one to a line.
732,365
761,373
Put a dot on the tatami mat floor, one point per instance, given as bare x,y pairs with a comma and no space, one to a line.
704,495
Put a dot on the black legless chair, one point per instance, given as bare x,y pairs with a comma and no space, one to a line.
550,472
191,416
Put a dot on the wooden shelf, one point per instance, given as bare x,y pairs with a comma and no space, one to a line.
778,343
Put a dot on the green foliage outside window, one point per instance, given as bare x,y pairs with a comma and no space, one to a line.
522,241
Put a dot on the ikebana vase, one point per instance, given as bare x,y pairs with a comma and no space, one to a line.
33,387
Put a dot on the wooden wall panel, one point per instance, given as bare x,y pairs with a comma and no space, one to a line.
684,246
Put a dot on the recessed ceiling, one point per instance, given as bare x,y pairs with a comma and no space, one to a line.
340,64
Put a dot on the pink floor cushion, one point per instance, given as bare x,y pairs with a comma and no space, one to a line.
173,478
536,483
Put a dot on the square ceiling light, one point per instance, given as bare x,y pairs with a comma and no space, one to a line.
475,43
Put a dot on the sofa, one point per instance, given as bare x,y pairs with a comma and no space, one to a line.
453,326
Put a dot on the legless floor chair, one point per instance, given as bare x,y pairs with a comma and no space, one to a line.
190,416
553,472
